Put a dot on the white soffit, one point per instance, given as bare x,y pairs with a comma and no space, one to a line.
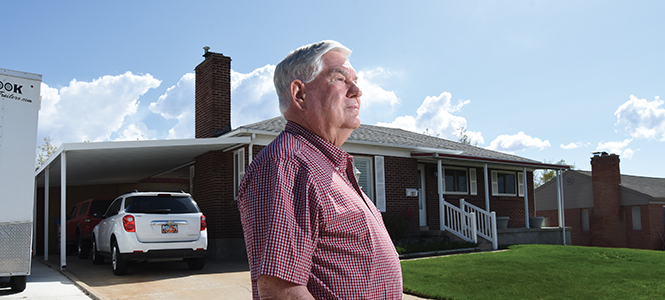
128,161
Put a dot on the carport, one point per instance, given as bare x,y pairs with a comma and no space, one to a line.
77,164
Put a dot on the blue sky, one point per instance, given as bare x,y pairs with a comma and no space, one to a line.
546,80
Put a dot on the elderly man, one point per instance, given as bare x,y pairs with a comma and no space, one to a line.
310,231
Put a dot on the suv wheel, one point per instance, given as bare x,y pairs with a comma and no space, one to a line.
119,265
97,259
196,263
83,248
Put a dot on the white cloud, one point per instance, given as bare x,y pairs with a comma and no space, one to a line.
517,142
618,148
573,145
94,110
178,103
253,96
136,132
642,118
435,115
374,96
253,99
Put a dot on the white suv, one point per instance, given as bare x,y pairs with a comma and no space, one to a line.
142,226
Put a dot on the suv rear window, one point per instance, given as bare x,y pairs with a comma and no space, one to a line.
160,205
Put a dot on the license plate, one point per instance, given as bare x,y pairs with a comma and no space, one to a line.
166,228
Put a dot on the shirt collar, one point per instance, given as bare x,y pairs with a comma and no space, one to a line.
336,155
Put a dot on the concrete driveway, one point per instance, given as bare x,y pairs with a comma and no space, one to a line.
164,280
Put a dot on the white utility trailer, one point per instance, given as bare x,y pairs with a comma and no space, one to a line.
19,111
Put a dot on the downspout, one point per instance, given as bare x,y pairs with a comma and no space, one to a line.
249,151
526,198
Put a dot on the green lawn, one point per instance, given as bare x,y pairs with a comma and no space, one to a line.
540,272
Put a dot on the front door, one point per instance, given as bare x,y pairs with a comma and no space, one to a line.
421,196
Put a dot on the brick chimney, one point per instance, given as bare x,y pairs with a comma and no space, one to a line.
213,176
607,220
213,95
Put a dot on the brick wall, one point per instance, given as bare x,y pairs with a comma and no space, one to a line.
656,221
401,174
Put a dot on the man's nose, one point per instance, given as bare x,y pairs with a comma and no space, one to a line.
354,91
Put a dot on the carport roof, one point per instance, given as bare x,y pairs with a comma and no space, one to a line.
127,161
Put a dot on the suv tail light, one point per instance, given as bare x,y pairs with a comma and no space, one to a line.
204,225
128,223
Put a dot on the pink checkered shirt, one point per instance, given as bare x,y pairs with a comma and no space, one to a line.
307,221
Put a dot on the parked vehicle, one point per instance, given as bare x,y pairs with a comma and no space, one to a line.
80,222
19,111
142,226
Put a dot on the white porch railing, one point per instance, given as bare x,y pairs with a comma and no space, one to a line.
458,222
485,222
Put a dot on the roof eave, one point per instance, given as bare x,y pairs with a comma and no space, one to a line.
456,156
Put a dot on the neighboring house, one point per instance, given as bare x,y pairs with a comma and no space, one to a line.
608,209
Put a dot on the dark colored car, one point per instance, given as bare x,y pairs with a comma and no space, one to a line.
80,222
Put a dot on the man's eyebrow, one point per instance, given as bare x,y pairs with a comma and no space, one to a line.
343,72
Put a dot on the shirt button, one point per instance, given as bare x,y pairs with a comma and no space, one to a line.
337,168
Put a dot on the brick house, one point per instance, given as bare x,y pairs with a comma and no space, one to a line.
401,171
607,209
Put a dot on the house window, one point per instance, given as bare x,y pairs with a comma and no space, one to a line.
504,183
455,181
365,180
637,218
238,170
585,219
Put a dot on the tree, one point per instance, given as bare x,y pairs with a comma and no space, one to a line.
45,152
548,175
463,137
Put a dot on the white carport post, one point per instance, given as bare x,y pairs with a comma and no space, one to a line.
63,210
47,171
526,198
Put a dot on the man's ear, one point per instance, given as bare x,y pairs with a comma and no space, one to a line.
297,88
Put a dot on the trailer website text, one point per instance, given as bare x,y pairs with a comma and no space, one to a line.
8,87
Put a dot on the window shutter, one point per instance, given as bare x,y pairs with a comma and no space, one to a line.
364,165
495,184
472,182
380,179
520,184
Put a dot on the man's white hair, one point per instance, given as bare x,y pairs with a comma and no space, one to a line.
304,63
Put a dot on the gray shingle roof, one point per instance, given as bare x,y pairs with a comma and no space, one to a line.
395,136
651,186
